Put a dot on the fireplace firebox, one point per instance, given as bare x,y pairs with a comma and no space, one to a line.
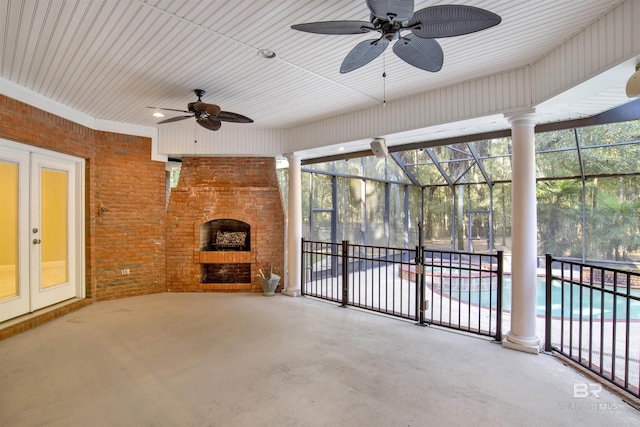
226,273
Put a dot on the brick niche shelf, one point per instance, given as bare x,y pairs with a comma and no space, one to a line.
223,257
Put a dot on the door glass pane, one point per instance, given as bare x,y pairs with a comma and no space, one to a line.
8,230
53,205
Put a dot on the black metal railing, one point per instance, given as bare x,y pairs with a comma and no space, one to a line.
593,318
320,263
374,280
465,290
456,290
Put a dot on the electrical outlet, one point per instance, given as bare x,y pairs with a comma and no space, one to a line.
126,271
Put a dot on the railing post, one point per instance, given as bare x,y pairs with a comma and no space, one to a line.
420,278
303,269
422,289
419,262
499,298
547,310
345,273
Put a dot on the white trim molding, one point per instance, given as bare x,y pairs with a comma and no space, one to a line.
34,99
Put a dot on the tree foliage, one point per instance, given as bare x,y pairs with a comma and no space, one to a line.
588,193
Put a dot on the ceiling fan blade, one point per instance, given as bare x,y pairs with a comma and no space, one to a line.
210,123
425,54
335,27
211,109
451,20
391,10
169,109
227,116
174,119
363,53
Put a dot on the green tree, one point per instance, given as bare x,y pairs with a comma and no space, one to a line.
617,226
559,217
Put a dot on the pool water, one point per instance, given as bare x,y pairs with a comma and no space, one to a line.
602,309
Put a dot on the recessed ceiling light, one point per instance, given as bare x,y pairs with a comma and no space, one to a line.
266,53
158,114
341,149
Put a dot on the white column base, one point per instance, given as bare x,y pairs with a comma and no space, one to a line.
291,293
527,345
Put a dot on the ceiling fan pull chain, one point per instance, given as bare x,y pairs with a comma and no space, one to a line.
384,79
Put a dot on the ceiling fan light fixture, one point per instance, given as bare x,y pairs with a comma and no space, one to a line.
633,85
266,53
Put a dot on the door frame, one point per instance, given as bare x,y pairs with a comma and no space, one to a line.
78,212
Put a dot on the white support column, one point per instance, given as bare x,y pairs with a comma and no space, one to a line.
294,231
522,335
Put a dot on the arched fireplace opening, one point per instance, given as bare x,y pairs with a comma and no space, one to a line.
225,235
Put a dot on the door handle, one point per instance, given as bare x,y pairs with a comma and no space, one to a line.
36,241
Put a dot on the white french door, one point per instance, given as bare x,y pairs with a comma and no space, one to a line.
52,231
40,229
14,246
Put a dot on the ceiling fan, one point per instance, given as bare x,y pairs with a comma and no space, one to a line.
391,18
209,116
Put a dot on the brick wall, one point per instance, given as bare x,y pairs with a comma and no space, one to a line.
125,199
240,188
121,177
129,234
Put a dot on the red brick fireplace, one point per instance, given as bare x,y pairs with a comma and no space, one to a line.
225,222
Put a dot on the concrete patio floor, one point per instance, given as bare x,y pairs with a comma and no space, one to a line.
204,359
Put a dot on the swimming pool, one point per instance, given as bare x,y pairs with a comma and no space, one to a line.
602,309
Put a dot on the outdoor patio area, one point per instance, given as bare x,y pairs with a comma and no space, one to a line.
248,360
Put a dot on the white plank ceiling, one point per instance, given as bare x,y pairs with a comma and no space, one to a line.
109,59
